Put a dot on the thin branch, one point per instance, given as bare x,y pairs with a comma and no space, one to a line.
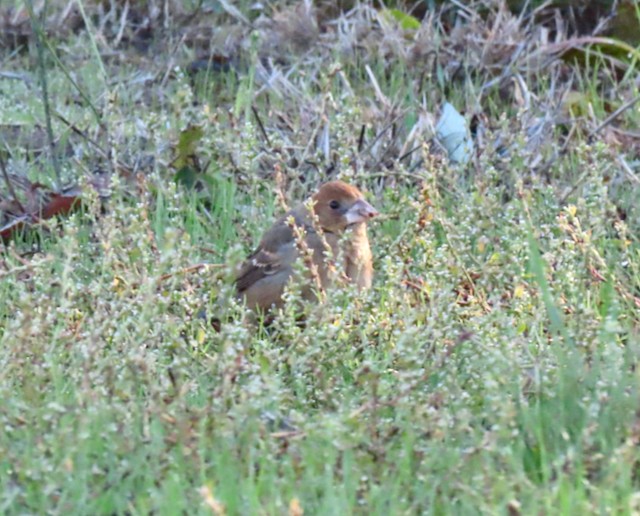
26,267
409,153
80,91
627,169
121,166
361,138
262,129
615,115
37,30
384,130
191,268
7,179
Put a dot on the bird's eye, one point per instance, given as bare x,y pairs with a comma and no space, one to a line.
334,205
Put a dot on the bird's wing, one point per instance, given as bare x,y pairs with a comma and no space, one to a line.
275,253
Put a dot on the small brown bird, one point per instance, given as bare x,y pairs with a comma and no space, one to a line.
339,208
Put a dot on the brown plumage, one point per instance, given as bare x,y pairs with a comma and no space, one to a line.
339,208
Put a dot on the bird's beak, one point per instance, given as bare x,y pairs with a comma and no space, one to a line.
361,211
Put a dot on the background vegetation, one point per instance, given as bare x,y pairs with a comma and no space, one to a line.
492,369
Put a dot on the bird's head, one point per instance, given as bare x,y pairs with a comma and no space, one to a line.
339,205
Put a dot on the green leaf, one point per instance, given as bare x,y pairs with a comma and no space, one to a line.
406,21
187,144
186,176
585,49
537,264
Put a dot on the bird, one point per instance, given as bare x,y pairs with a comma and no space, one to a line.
334,218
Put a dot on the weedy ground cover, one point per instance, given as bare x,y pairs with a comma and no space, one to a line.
491,369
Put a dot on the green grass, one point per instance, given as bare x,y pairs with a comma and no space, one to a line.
493,368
